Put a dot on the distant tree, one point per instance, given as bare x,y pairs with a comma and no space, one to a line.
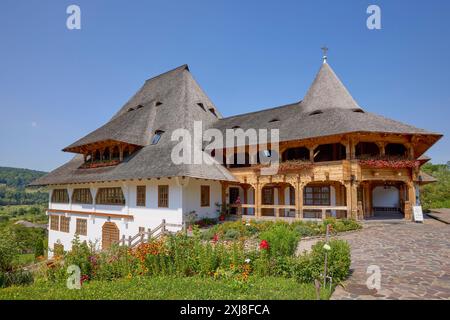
436,195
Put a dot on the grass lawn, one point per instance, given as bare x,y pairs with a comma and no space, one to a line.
167,288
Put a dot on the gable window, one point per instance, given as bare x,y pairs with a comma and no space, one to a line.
111,196
60,196
157,136
81,227
163,196
317,196
204,196
54,222
82,196
64,224
140,196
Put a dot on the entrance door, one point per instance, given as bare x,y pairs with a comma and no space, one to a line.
110,234
233,196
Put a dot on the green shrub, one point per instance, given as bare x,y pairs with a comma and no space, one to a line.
17,277
208,234
39,248
339,259
8,251
231,234
111,264
304,231
282,240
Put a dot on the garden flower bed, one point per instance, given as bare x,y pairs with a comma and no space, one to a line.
238,254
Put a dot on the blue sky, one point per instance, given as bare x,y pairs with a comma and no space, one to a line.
56,85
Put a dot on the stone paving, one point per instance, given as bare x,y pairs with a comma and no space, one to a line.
414,261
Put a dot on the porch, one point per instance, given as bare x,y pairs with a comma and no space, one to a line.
292,200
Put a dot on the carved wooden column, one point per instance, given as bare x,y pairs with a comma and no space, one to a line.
245,188
411,190
281,199
258,197
381,145
351,198
224,196
299,199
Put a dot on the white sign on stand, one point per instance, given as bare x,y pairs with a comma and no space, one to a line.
418,214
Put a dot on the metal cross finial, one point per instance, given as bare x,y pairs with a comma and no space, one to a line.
325,50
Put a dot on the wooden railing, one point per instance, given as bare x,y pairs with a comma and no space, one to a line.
150,234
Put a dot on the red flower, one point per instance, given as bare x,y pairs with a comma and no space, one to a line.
84,278
215,238
222,217
264,245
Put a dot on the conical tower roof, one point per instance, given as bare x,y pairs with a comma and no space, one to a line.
327,92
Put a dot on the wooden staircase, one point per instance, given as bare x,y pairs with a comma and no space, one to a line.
150,234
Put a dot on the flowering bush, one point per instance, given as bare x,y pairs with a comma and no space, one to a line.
264,245
283,240
379,163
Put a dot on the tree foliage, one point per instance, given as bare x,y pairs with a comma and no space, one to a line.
436,195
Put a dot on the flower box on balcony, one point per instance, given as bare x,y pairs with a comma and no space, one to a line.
380,163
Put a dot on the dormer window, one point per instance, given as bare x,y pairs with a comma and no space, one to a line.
201,106
236,127
157,136
358,110
274,120
158,103
316,112
139,106
130,109
213,111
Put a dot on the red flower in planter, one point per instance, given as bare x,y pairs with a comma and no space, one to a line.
222,217
84,278
264,245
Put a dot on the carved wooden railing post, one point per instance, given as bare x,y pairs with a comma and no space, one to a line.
129,241
123,240
163,229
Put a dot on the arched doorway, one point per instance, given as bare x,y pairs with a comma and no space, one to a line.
386,198
110,234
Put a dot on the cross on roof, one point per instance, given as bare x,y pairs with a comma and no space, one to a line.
325,50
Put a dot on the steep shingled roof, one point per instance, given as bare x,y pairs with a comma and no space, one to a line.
328,109
328,92
174,100
169,102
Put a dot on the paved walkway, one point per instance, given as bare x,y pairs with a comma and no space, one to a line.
414,261
442,215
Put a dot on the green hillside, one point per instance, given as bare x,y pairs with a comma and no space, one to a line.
13,190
